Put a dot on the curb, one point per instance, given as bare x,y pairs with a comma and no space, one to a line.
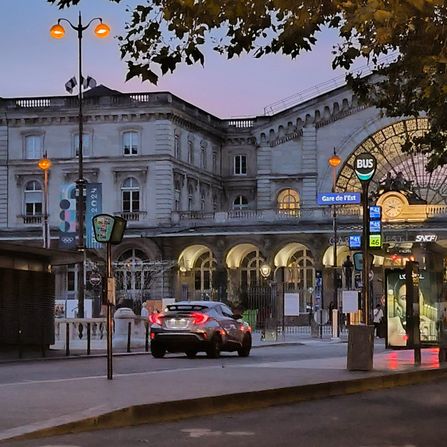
205,406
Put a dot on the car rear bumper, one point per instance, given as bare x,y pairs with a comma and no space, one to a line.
180,341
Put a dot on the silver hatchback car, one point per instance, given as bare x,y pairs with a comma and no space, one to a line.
194,326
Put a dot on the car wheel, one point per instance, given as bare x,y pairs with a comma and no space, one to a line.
191,354
213,351
244,350
158,351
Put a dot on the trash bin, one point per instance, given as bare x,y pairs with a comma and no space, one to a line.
360,347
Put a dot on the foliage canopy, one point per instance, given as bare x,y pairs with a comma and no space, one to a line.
162,34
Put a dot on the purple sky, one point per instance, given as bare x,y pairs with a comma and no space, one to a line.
34,64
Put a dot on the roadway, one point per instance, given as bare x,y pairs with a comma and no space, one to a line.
411,416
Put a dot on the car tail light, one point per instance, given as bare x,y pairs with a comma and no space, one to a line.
155,318
199,318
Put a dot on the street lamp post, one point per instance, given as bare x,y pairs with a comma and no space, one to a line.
58,32
334,161
45,165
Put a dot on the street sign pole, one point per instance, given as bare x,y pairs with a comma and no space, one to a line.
365,242
109,311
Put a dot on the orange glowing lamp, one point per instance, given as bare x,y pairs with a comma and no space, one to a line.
45,164
334,161
57,31
102,30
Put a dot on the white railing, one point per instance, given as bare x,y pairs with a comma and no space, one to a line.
90,334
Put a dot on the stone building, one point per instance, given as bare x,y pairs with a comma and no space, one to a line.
209,201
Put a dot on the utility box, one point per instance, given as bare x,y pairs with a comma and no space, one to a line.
360,348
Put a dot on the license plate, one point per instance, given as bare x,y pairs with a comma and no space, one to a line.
177,323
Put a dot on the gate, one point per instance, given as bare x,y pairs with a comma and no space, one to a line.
264,302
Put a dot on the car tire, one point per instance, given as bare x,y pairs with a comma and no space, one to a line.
213,351
244,350
157,350
191,354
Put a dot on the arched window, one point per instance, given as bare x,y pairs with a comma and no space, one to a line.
240,203
130,143
130,195
250,270
133,275
300,271
204,268
33,198
288,202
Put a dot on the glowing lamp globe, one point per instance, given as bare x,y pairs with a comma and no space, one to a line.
102,30
45,164
334,161
57,31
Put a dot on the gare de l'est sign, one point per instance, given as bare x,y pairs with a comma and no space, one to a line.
338,198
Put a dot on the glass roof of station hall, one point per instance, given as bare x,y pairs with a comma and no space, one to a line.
386,145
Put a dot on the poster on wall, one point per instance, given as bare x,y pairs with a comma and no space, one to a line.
291,304
396,294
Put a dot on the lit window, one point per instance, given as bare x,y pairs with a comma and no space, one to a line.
130,195
33,199
240,165
33,147
288,202
130,143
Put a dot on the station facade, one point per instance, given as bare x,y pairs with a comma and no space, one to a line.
222,208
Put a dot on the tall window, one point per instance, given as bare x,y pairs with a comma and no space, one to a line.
86,145
300,272
190,197
203,269
202,201
130,195
33,147
33,198
288,202
240,203
177,153
133,276
177,195
130,143
250,270
190,152
203,158
214,202
214,162
240,165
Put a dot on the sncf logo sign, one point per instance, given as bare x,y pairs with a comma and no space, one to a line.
426,238
365,166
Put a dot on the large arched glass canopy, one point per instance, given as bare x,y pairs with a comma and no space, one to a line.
386,146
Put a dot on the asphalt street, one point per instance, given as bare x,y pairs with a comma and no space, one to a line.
62,369
411,416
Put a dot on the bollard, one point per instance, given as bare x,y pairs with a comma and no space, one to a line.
88,338
146,342
129,330
67,339
20,344
335,328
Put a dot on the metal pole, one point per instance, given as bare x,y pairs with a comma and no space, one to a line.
109,312
46,230
80,181
334,227
365,282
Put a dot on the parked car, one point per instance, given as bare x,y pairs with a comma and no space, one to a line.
195,326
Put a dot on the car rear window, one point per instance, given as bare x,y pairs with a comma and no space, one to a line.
177,307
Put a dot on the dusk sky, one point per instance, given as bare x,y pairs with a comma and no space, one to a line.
34,64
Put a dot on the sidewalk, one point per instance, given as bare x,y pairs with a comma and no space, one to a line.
50,407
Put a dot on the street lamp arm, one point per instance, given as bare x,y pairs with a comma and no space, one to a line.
68,21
